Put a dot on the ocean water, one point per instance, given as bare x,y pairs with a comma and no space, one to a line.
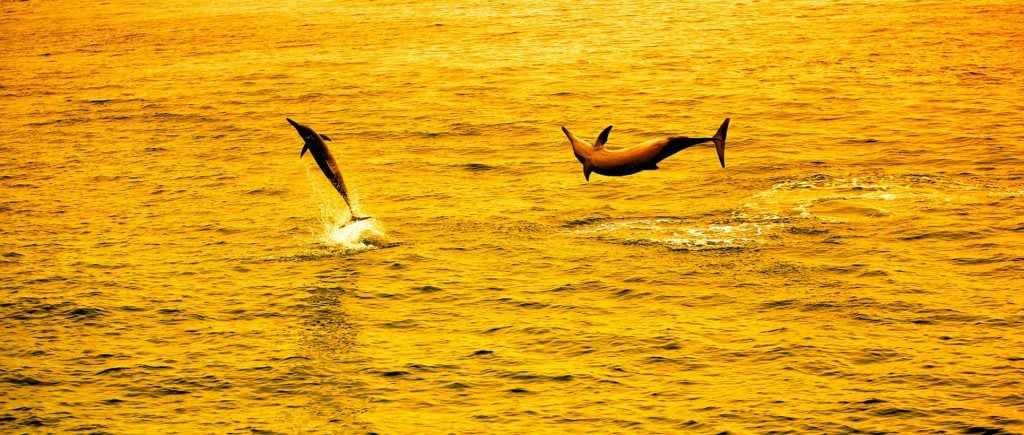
168,263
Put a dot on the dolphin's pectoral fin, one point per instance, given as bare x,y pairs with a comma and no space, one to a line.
324,136
587,169
652,167
603,137
304,148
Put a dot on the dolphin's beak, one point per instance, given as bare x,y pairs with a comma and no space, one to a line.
298,128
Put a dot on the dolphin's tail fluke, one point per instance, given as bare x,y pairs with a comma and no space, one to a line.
719,140
352,212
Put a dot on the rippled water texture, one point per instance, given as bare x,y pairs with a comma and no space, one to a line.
169,264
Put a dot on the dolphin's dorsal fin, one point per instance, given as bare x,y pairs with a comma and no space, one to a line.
324,136
603,137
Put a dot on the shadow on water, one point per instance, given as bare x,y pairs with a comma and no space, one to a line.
325,340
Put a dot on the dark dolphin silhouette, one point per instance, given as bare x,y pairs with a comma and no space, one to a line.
642,157
318,148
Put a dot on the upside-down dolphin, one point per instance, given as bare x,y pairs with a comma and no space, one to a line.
642,157
318,148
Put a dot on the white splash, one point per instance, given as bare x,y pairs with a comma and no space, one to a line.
358,235
718,236
683,234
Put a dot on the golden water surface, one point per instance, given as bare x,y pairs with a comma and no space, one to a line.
168,263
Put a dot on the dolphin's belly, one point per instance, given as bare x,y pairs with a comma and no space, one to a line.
624,162
614,171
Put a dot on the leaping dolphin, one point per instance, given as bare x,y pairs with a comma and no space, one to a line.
318,148
642,157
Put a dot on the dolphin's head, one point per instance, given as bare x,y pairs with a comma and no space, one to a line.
579,148
307,133
582,150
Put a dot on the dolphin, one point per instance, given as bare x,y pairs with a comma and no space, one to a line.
318,148
642,157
